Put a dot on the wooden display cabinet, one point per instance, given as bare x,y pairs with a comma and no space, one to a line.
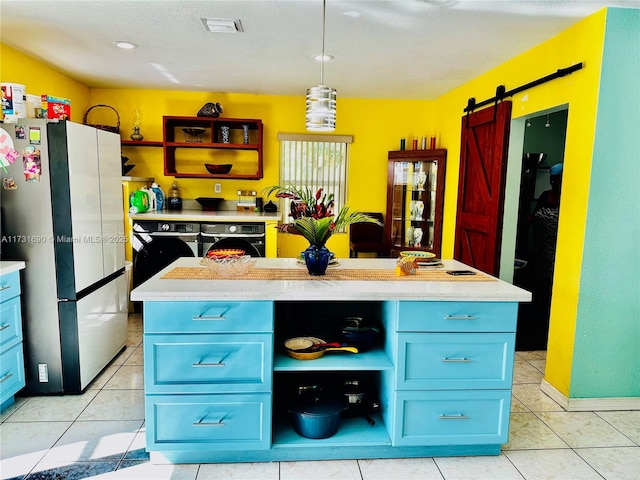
415,197
191,142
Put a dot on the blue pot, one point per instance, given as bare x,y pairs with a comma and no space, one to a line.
317,419
317,259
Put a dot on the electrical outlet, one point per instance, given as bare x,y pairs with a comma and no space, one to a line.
43,373
217,188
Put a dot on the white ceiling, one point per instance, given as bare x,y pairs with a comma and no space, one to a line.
404,49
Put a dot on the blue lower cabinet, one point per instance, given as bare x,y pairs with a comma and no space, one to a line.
11,346
201,363
11,374
10,323
210,391
457,317
453,361
459,417
9,286
208,422
208,317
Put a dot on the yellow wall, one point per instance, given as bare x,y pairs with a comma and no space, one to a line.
39,78
376,125
580,43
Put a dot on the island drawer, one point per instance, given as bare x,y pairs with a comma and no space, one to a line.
11,372
208,317
208,422
220,363
10,323
9,286
455,361
457,317
452,417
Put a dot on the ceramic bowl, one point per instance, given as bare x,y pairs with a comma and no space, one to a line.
221,169
417,254
209,203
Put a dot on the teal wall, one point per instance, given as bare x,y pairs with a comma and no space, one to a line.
607,344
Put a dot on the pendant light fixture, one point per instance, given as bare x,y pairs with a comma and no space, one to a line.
321,100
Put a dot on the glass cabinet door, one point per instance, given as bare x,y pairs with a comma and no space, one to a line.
414,200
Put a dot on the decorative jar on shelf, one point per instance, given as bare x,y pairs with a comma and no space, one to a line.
245,134
225,134
417,237
136,135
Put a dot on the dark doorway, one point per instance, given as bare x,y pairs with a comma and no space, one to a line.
543,147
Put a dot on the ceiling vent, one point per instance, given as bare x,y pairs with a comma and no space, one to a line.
222,25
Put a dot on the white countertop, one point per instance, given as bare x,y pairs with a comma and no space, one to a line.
156,289
8,266
207,216
149,180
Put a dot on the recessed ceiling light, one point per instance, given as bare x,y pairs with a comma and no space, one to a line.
318,57
222,25
125,45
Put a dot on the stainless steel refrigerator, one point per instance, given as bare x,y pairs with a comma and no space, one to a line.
62,214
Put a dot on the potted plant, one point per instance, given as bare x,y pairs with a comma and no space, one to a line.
314,219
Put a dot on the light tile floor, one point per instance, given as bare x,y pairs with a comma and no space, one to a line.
100,435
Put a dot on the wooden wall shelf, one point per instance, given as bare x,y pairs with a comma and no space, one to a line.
141,143
222,136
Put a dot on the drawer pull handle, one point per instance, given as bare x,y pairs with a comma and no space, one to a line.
219,317
2,289
205,364
460,416
457,360
460,317
6,377
4,327
209,424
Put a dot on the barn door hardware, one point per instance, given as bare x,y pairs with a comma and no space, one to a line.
501,93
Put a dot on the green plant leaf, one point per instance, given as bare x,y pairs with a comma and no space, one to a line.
317,232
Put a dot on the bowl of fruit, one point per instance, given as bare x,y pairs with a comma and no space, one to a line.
228,262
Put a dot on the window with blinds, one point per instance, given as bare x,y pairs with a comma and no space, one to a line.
315,161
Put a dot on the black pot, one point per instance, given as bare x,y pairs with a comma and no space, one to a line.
359,400
317,419
356,332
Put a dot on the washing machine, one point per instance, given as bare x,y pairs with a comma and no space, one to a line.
157,244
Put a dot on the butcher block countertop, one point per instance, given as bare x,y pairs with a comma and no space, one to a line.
352,279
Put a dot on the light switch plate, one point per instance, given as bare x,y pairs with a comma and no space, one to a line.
217,188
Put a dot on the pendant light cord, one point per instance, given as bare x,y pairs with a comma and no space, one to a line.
324,13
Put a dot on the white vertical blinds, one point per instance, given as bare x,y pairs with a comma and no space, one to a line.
313,162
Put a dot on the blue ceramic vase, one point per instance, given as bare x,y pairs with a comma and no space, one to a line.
317,259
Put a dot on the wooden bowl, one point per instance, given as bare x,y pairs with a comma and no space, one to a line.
221,169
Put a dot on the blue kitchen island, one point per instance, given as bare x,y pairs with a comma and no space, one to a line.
219,387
